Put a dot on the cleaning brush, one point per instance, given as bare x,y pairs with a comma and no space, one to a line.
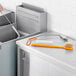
67,46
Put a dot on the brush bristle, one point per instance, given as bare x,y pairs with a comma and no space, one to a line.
69,45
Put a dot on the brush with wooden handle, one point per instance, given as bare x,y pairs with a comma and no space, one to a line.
67,46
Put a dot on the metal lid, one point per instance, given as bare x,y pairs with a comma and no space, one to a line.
61,57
